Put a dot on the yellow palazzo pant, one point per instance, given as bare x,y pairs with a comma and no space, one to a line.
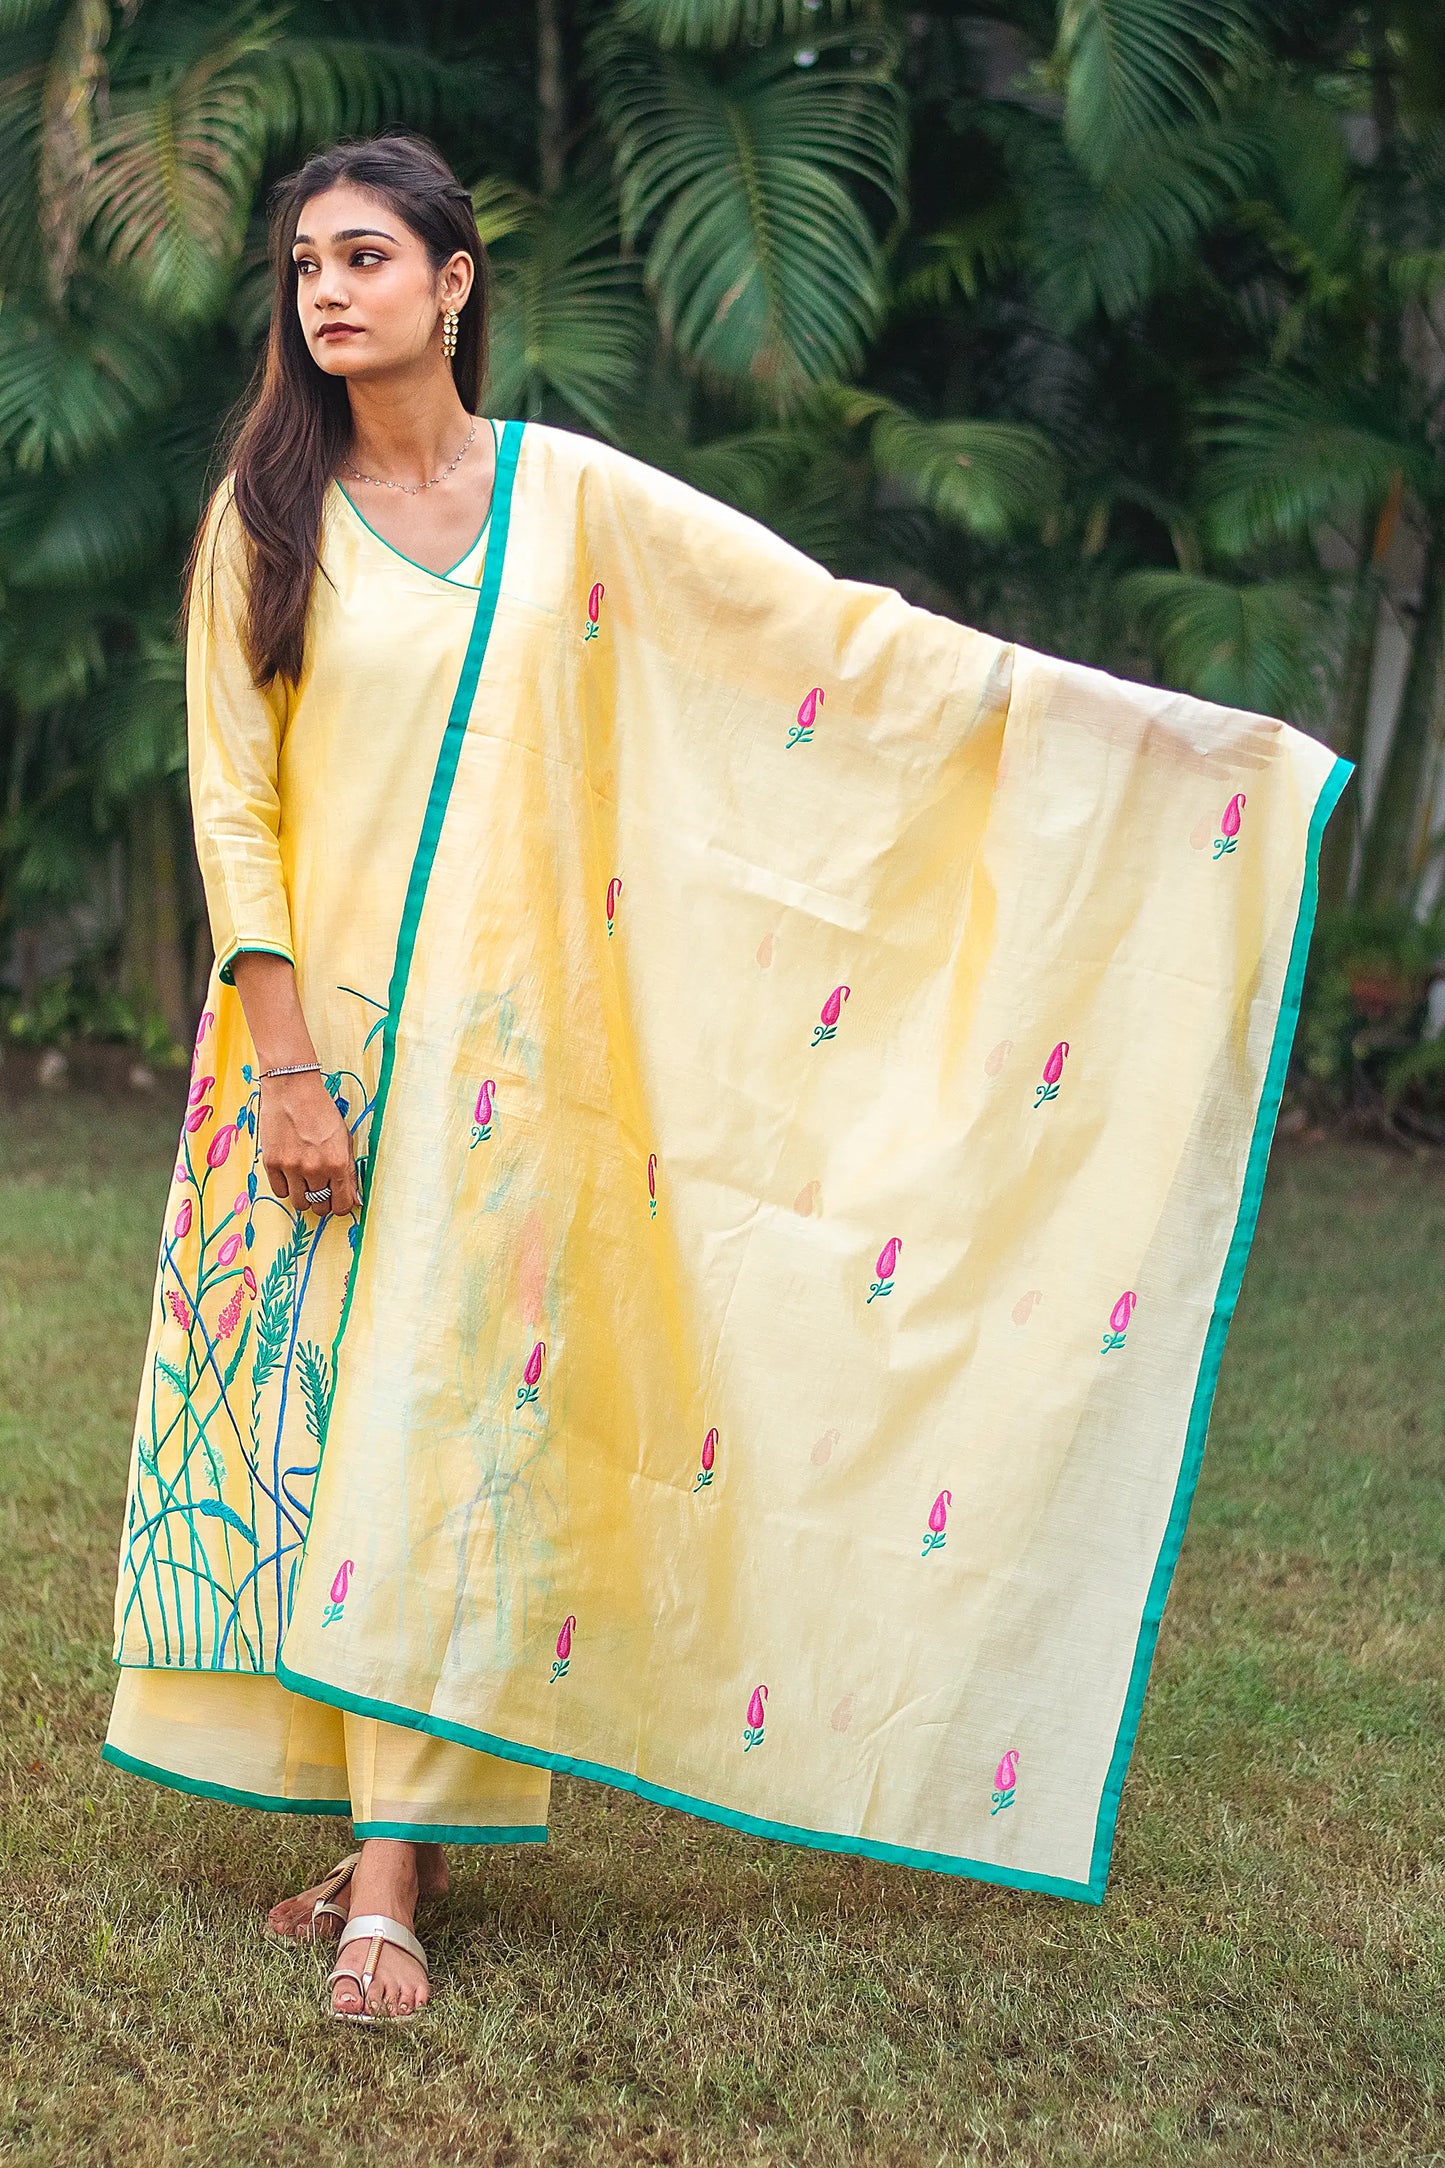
250,1740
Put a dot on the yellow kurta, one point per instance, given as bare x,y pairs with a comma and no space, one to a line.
814,1064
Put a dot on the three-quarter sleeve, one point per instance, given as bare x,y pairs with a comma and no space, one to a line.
234,735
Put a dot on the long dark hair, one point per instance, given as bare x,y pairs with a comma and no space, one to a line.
285,437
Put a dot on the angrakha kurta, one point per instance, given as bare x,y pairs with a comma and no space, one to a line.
814,1065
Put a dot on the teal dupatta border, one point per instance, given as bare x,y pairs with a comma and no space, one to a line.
1236,1257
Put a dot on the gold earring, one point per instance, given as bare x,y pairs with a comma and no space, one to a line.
449,332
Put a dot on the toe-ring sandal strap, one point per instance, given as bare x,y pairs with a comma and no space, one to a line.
376,1929
332,1885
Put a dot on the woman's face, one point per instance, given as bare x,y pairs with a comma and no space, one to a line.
367,296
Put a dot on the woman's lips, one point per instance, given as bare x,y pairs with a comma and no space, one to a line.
339,331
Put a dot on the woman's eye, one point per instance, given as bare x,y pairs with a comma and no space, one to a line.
374,254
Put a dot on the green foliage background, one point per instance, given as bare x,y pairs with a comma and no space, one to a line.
1110,327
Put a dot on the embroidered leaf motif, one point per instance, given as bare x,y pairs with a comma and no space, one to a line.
213,1509
235,1363
278,1291
172,1376
316,1384
215,1467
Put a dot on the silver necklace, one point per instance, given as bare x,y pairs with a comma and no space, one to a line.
411,488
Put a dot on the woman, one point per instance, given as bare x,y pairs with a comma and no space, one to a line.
805,1031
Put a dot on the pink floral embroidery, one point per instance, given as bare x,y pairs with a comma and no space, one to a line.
227,1321
937,1522
614,890
528,1389
229,1250
218,1150
198,1090
482,1115
1229,825
801,732
249,1279
828,1015
1053,1070
594,611
1004,1779
197,1119
753,1729
1119,1318
887,1263
183,1221
564,1649
709,1455
652,1185
180,1309
339,1586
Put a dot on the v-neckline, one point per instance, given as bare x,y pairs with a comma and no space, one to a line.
481,535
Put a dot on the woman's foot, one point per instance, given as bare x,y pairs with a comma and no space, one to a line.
292,1916
390,1876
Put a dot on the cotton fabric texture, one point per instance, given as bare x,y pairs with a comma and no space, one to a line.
813,1065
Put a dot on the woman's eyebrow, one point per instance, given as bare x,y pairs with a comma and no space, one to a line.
347,233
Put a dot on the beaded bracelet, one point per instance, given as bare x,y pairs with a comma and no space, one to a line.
300,1068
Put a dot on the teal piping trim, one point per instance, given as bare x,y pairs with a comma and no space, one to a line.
751,1825
247,948
429,570
226,1792
443,776
1229,1284
455,1832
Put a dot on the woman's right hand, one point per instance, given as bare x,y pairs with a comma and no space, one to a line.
305,1143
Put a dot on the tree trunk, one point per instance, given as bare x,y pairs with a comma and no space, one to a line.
1357,676
153,959
1385,872
551,98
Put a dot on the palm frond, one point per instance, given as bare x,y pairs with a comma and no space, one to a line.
567,314
720,23
1129,68
1284,453
1260,646
761,256
95,524
71,384
987,477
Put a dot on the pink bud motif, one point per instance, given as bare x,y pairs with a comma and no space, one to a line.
1053,1070
827,1024
652,1185
183,1221
937,1523
1229,825
564,1649
887,1263
707,1458
340,1584
614,890
801,732
249,1278
594,611
229,1250
198,1090
482,1115
218,1150
197,1119
527,1390
1119,1318
753,1729
1004,1779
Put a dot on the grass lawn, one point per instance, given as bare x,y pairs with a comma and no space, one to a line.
1265,1981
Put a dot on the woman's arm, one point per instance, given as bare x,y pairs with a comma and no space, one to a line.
304,1141
235,729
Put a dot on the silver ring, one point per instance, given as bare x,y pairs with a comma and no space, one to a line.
319,1196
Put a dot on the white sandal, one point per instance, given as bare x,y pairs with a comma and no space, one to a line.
375,1929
